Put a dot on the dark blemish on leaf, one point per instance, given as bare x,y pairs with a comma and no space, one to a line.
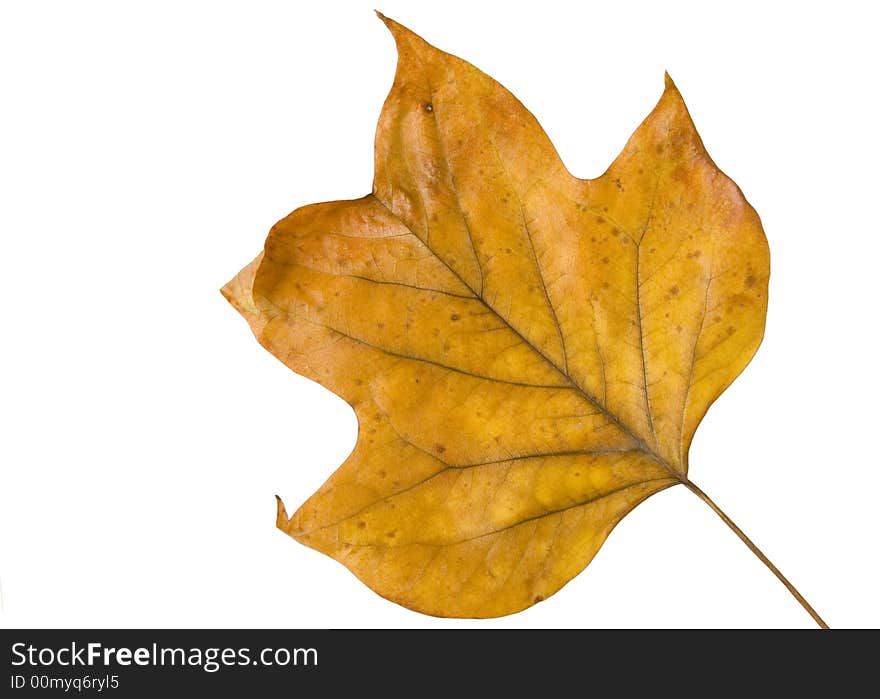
730,330
605,260
659,148
362,525
750,280
358,382
674,290
538,598
508,250
429,107
679,328
600,220
577,473
391,535
454,316
652,250
382,473
439,448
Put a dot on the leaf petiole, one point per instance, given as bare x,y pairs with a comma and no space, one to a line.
754,549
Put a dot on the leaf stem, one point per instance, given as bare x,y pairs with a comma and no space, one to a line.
755,550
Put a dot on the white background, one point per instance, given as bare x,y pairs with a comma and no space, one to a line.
146,149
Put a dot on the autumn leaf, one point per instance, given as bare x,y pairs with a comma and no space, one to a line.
528,353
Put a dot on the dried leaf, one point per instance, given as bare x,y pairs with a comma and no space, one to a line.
528,353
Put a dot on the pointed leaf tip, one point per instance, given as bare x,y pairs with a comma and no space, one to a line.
390,23
281,518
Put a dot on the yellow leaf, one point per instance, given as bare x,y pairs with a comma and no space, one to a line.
528,353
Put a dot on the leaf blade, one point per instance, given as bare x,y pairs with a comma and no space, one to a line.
486,314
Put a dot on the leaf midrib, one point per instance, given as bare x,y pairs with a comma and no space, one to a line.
574,385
